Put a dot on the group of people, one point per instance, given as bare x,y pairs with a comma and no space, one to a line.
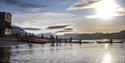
52,39
27,36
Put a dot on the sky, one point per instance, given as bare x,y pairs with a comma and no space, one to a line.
66,16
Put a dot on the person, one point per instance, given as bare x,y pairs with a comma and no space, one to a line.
80,42
70,40
111,40
18,36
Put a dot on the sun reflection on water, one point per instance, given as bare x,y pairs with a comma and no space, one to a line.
107,58
106,45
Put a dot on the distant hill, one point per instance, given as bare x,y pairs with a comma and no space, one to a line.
117,35
16,29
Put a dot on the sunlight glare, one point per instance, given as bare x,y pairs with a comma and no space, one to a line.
107,58
106,45
106,9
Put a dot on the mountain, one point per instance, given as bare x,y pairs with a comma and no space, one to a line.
116,35
16,29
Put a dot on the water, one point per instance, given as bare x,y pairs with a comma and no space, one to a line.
66,53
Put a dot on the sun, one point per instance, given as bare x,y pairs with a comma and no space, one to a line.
106,9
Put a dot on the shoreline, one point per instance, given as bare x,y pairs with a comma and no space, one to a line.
13,40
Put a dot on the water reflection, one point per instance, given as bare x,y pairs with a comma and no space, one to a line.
108,45
5,54
30,45
107,58
44,53
30,48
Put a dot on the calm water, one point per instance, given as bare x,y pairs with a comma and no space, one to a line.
66,53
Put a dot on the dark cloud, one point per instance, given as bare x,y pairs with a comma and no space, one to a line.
57,27
86,3
60,0
30,28
65,30
19,3
68,29
121,2
61,31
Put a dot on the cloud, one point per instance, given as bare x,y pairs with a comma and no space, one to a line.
65,30
106,16
108,11
121,3
57,26
104,9
61,31
19,3
68,29
30,28
43,20
82,4
85,4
